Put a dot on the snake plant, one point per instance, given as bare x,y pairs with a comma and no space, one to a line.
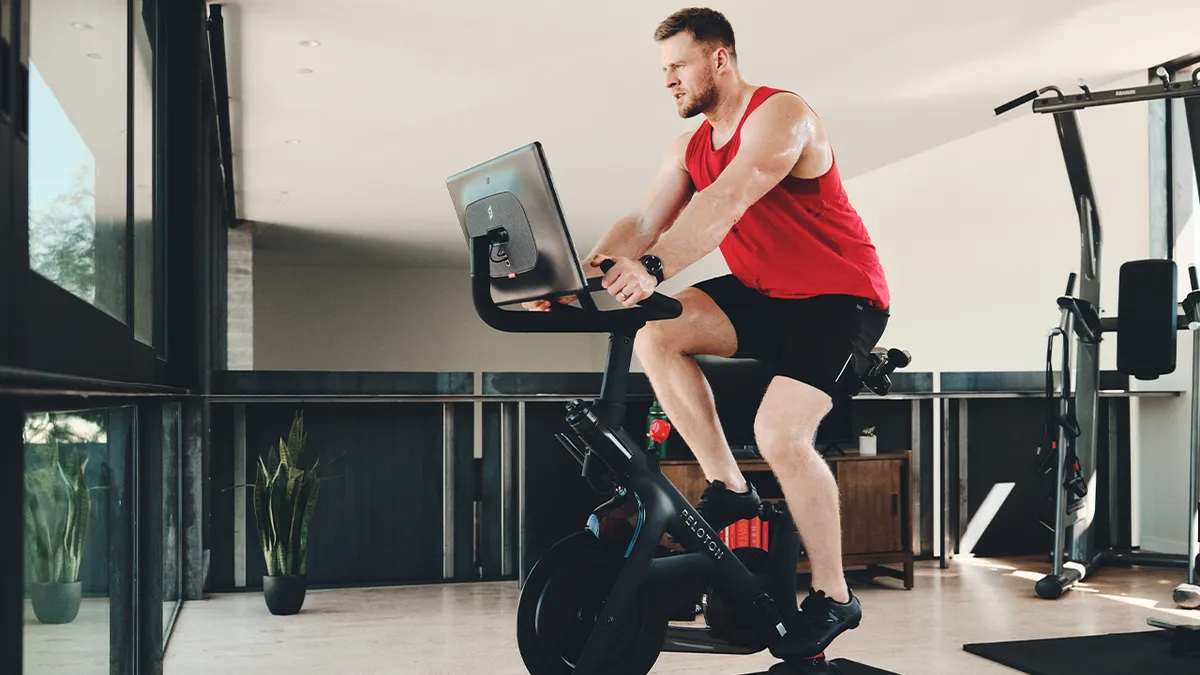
285,495
57,509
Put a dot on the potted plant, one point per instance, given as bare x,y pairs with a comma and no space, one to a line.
867,445
57,509
285,496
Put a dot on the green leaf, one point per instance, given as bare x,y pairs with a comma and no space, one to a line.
309,506
280,511
262,515
294,525
38,546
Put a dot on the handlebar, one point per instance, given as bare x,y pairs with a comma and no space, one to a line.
1191,303
1016,103
562,318
663,305
1086,320
877,377
1070,284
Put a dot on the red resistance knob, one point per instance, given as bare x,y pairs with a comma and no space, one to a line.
659,430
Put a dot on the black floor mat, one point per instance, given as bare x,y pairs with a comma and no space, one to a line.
1111,654
855,668
848,667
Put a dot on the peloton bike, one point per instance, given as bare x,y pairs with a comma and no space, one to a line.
600,601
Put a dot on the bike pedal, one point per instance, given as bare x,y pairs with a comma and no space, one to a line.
812,665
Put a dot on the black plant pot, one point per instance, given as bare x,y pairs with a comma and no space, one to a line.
285,595
55,602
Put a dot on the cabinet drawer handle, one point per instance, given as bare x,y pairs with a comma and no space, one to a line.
895,504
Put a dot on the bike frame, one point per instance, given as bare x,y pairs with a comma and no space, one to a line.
647,500
643,496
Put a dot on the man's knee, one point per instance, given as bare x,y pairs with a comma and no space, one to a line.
788,418
701,329
657,338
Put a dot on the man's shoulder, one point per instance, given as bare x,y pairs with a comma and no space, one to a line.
778,109
781,101
678,149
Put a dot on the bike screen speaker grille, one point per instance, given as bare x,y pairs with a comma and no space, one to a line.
503,210
1146,318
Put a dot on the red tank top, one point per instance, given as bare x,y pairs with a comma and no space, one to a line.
801,239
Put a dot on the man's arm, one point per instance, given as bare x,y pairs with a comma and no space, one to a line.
632,235
773,139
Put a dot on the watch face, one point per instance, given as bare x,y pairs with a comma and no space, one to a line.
653,265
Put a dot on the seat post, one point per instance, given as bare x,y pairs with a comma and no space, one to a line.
616,379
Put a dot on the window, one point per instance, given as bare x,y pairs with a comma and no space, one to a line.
75,522
77,148
143,177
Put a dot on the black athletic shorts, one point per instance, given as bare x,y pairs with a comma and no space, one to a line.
813,340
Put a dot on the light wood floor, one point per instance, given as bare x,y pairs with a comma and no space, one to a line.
81,647
469,628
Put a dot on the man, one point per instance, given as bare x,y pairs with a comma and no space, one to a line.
806,292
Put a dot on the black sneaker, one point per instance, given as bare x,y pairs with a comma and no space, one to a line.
720,507
819,621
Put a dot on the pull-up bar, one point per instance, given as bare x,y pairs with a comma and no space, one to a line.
1149,92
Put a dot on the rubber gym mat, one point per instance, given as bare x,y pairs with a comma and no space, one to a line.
1110,654
855,668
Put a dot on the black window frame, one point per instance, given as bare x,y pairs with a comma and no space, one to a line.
58,351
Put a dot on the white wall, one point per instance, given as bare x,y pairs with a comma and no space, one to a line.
978,236
321,318
1164,424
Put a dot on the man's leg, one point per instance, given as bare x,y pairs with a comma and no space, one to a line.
709,326
785,429
666,350
824,335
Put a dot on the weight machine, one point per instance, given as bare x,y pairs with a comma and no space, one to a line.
1147,324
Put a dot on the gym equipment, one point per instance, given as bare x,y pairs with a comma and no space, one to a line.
601,600
1148,320
1146,327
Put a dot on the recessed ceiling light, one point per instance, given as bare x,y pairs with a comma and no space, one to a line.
95,56
81,25
293,141
309,43
304,71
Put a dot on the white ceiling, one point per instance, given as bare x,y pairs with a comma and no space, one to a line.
403,94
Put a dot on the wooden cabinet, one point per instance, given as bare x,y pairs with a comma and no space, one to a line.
876,506
870,497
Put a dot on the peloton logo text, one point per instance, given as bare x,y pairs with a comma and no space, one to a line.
706,540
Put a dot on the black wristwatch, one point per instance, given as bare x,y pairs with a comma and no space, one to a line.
653,265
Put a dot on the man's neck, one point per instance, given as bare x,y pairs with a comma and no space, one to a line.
725,116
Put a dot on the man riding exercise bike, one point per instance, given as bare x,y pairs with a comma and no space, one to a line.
806,292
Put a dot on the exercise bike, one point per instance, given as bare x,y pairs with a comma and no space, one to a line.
601,600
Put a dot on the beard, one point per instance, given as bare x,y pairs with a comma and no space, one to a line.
704,99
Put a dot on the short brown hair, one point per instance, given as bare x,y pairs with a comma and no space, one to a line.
705,25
